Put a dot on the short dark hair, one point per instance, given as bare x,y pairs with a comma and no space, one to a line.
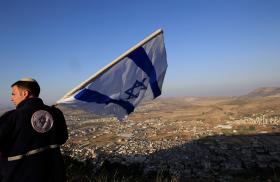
31,86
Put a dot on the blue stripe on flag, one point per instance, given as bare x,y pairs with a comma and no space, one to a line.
88,95
142,60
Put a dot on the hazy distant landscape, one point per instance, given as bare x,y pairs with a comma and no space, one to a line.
175,139
178,139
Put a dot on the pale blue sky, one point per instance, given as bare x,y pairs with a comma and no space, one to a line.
214,47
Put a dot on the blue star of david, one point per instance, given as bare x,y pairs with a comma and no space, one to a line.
137,84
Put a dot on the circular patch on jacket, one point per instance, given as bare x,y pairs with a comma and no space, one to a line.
42,121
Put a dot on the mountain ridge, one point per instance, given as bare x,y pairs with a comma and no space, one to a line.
262,92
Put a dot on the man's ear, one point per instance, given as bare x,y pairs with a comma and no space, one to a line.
25,93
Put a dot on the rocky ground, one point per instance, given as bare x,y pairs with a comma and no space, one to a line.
179,139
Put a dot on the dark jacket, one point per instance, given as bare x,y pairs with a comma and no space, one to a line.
23,130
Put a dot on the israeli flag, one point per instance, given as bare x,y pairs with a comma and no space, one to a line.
122,85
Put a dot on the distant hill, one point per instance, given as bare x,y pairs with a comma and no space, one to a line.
5,109
263,92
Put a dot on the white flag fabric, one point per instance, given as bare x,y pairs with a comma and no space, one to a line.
118,90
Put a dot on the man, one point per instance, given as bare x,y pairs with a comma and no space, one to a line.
30,137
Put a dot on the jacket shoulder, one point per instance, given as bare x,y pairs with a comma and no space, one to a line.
56,110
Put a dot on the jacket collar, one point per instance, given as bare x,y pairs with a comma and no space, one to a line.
29,101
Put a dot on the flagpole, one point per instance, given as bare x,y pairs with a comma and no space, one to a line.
100,72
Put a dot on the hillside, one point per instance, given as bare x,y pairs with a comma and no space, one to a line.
263,92
209,139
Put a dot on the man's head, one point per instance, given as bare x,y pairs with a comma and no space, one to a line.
24,89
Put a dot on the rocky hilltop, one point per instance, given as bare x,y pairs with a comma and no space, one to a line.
179,139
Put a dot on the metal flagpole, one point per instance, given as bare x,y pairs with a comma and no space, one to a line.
100,72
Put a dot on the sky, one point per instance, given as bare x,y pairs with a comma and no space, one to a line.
214,47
